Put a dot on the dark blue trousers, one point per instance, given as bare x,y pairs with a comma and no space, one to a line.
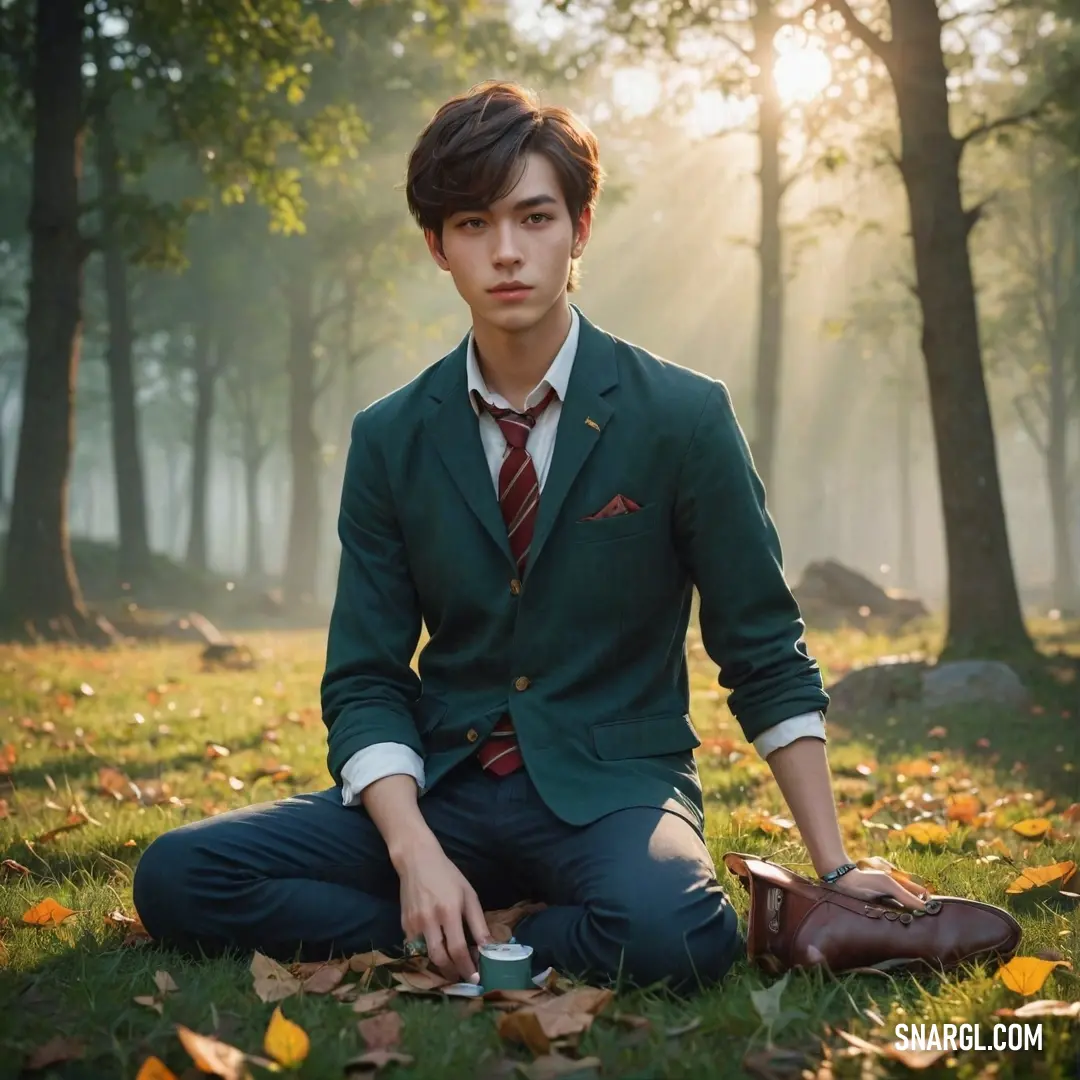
632,896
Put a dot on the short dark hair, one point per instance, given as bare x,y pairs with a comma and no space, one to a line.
469,152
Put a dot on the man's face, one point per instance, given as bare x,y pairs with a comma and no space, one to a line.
525,237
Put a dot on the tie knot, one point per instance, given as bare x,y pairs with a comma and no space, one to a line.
514,425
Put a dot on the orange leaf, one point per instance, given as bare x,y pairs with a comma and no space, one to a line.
962,808
287,1043
1034,876
211,1055
113,782
155,1069
1026,974
47,913
1032,828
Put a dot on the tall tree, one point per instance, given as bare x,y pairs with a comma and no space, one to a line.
984,617
40,586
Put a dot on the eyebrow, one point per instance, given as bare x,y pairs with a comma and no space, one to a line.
521,204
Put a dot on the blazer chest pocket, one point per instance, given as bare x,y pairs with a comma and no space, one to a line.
619,527
647,736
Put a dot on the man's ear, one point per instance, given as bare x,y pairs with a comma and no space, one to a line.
434,244
582,233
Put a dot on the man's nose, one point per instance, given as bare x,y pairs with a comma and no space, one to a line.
507,244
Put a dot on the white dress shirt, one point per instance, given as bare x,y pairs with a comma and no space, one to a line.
388,758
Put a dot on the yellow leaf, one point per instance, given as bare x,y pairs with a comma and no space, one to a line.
287,1043
1026,974
1035,876
1032,828
47,913
155,1069
927,832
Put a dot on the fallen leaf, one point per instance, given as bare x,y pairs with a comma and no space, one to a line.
5,810
962,808
1026,974
1072,812
501,921
272,981
913,1059
59,1048
374,1060
381,1031
47,913
767,1002
1036,876
165,983
569,1014
927,832
216,750
287,1043
937,732
154,1069
151,1001
555,1066
119,919
364,962
324,980
421,980
1032,828
113,782
1042,1007
211,1055
10,866
75,821
373,1001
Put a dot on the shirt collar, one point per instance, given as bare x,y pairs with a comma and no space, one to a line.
557,377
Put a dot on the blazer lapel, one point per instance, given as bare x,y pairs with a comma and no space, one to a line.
585,413
455,431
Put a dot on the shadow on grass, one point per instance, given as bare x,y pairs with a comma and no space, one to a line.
54,864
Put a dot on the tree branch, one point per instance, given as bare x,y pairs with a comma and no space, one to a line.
1018,403
1012,119
881,48
973,214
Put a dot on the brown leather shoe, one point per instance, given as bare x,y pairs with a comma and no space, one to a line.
795,922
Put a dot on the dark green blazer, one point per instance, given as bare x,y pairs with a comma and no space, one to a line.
587,652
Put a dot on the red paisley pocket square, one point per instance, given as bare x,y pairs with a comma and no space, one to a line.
618,505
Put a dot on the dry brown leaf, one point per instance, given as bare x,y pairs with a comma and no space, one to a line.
74,821
325,980
569,1014
216,750
1026,974
212,1055
59,1048
554,1066
424,981
113,782
165,983
364,962
913,1059
374,1060
381,1031
963,808
118,919
5,810
513,998
47,913
374,1001
151,1001
501,921
272,981
10,866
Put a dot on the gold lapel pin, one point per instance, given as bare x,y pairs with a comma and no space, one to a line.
592,423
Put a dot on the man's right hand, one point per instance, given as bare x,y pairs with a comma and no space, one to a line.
437,903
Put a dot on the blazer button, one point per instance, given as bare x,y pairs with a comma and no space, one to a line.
515,587
472,734
521,683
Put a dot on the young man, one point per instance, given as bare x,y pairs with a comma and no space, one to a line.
544,499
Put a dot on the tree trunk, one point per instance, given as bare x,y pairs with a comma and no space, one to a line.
984,609
200,447
41,590
770,247
301,556
133,562
905,566
1057,459
254,568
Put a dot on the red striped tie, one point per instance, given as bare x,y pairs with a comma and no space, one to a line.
519,499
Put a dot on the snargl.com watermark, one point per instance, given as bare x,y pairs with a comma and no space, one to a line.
956,1037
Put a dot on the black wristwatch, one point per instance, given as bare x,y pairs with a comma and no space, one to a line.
834,875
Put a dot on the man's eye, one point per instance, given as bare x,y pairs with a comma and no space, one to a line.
542,217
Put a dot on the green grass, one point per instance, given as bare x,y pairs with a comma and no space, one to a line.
79,980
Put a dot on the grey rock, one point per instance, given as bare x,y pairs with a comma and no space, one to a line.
967,682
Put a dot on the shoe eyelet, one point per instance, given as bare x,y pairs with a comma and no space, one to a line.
906,917
892,916
933,907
